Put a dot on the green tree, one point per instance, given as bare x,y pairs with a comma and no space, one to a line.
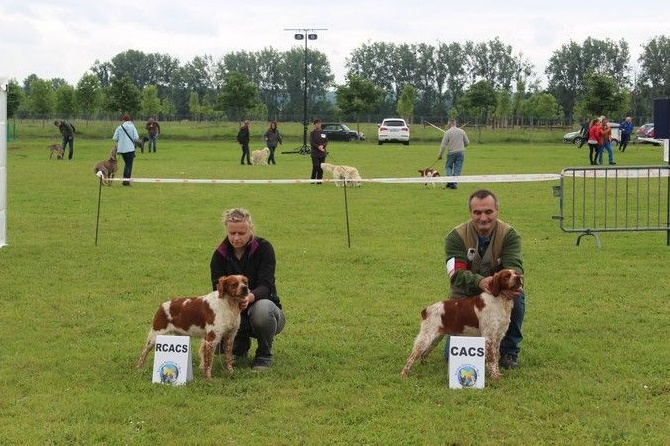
122,96
41,98
479,100
167,108
194,106
569,67
15,97
357,96
238,96
654,79
406,102
66,104
603,97
151,104
88,94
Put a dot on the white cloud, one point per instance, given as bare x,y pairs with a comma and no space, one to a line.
64,38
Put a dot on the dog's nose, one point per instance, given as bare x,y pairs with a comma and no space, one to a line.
245,290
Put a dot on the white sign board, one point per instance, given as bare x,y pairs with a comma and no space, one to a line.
172,360
467,361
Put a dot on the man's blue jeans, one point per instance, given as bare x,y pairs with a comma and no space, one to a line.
454,164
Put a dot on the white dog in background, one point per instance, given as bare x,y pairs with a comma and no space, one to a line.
260,157
342,174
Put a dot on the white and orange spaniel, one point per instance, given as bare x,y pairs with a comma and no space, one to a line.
429,172
213,317
486,315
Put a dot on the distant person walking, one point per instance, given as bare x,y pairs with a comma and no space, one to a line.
67,131
318,143
153,130
272,138
607,142
595,140
455,140
626,128
243,139
125,136
584,132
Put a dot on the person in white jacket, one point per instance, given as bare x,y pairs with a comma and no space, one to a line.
125,136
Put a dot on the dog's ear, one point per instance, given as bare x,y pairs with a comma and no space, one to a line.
220,286
500,281
495,285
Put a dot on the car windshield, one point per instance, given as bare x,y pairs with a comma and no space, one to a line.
394,123
345,128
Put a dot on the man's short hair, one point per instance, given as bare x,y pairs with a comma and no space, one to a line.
481,194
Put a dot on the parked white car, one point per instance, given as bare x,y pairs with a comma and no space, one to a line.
393,130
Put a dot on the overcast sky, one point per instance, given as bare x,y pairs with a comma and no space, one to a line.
64,38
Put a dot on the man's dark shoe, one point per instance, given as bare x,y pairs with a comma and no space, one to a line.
509,362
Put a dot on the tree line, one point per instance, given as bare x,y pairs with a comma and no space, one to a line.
486,82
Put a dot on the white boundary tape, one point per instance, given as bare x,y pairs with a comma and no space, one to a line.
512,178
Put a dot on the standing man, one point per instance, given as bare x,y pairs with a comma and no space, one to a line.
455,140
125,136
318,143
477,249
153,129
67,131
243,139
626,128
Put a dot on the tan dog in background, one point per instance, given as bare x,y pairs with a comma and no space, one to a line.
342,174
260,157
107,168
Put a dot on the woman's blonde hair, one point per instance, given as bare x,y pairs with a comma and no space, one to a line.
237,215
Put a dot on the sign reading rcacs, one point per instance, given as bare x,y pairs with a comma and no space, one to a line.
172,360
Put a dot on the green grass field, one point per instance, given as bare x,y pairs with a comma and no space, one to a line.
594,361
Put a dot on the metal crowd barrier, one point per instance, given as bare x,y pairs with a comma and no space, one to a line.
607,199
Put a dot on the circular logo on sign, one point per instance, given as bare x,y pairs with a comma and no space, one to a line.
169,372
467,375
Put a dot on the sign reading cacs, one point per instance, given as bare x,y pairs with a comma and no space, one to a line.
467,358
172,360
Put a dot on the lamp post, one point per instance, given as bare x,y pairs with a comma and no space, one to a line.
304,34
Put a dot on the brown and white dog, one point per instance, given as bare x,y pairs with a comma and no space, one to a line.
486,315
57,149
429,172
107,168
213,317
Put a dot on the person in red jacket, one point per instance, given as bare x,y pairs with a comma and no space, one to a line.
595,141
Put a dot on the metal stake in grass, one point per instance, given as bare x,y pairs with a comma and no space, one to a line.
100,176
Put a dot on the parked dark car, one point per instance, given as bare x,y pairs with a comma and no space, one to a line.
336,131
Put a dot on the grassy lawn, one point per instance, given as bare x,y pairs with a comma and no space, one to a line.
594,361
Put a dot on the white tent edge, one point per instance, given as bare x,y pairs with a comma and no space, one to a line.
3,161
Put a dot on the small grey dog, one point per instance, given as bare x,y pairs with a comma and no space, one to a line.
57,149
107,168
